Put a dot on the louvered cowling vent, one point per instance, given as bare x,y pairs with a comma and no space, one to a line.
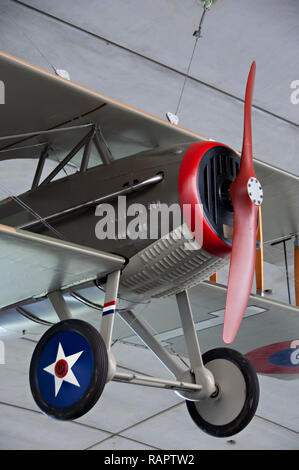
217,170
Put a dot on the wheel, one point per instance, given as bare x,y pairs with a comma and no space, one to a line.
234,404
68,369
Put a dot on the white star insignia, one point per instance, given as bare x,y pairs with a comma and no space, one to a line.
69,375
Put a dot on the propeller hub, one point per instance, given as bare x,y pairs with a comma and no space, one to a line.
255,191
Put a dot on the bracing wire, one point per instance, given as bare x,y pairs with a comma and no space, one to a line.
32,212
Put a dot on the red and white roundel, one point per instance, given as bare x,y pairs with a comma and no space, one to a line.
277,358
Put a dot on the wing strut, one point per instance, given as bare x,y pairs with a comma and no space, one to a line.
259,260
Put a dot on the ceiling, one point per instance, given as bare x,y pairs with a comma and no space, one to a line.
138,52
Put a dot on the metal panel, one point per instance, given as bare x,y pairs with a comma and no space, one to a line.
32,265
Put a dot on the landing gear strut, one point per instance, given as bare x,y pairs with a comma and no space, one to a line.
72,363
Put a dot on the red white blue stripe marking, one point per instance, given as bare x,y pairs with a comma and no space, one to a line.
109,307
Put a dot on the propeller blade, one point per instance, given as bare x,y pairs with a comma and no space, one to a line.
246,195
246,166
241,270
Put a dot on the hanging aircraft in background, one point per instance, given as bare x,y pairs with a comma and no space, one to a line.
50,243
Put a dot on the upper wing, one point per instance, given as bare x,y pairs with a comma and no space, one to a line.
37,100
33,265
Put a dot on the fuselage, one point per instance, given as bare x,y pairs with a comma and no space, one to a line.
158,265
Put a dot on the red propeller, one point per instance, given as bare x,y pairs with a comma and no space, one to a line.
246,195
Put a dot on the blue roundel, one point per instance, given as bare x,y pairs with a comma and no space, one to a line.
287,357
65,386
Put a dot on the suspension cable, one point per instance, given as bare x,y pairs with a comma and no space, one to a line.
197,34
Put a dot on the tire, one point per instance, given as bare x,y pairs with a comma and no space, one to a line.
68,369
233,407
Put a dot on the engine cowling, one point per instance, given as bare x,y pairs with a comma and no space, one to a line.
206,173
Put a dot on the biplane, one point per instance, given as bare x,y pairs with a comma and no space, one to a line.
92,153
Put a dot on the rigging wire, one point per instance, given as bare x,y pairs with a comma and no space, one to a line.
284,271
21,29
32,212
273,259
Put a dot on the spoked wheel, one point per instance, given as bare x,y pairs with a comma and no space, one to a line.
68,369
234,404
